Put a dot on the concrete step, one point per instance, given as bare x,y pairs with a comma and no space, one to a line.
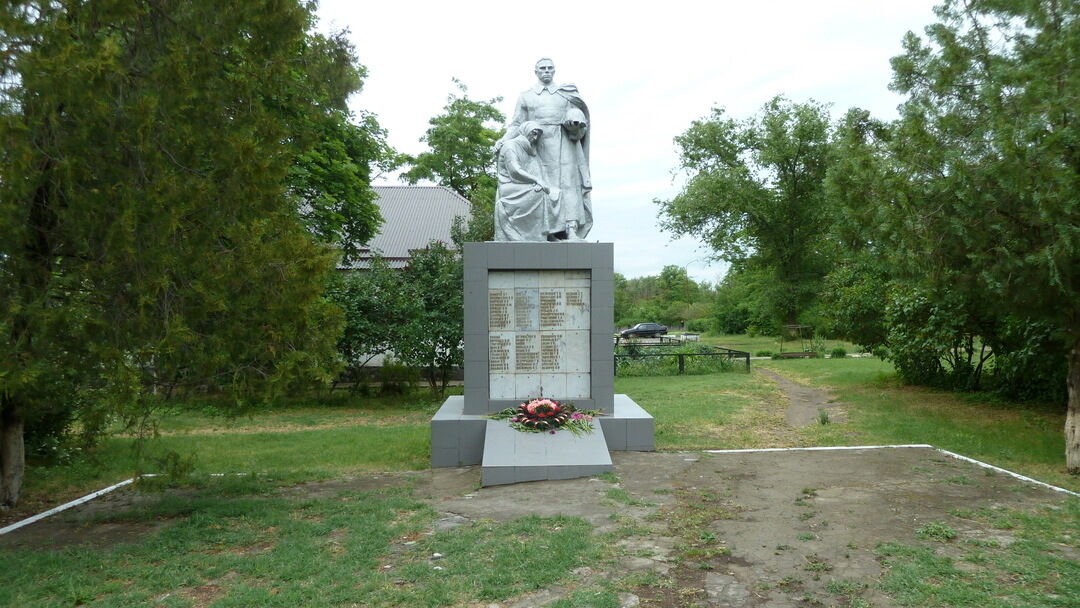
511,456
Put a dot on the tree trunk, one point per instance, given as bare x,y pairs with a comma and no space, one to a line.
12,452
1072,418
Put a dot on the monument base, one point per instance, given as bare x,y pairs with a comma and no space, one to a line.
539,320
511,456
460,439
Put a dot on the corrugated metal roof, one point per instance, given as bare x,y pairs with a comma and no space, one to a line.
413,216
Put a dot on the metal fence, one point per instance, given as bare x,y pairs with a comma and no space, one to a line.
713,359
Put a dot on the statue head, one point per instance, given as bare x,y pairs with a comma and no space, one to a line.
545,70
531,131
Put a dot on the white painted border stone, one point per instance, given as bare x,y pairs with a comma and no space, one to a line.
64,507
911,445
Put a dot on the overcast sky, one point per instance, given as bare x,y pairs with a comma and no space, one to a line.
645,70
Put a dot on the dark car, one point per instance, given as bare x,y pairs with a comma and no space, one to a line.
644,330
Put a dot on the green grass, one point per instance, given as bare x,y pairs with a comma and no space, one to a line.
716,411
1039,568
343,435
296,413
239,541
754,344
1025,438
265,549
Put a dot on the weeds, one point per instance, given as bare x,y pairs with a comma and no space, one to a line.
936,530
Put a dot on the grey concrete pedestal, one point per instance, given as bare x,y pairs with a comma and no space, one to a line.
559,339
460,439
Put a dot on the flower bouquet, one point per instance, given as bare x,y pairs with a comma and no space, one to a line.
547,416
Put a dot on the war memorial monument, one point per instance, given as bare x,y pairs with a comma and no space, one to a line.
539,308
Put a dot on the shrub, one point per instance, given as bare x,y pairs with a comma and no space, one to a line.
838,353
636,365
397,378
764,353
698,326
1030,364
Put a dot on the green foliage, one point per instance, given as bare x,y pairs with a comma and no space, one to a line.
377,307
1030,364
461,142
699,325
432,337
936,530
331,181
838,353
741,304
672,298
396,378
461,156
622,301
932,338
854,298
756,195
416,313
703,360
971,195
148,241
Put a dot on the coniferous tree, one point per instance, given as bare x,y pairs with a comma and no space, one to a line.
147,239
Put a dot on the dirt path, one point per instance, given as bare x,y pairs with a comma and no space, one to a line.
805,403
788,517
769,529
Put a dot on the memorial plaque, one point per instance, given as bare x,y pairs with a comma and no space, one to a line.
500,309
526,352
538,324
526,309
499,355
551,352
551,309
576,308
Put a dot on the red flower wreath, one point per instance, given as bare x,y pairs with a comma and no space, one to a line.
541,414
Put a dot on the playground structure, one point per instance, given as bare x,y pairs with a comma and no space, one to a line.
793,332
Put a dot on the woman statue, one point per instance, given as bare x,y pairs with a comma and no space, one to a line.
523,208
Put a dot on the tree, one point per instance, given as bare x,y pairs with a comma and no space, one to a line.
331,181
622,300
982,170
378,308
756,195
433,337
677,292
147,241
461,156
677,286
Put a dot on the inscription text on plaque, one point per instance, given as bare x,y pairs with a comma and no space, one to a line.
538,334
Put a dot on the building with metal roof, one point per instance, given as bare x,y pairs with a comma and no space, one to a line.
413,216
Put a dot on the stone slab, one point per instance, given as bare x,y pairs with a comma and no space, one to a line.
511,456
629,427
457,438
460,439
